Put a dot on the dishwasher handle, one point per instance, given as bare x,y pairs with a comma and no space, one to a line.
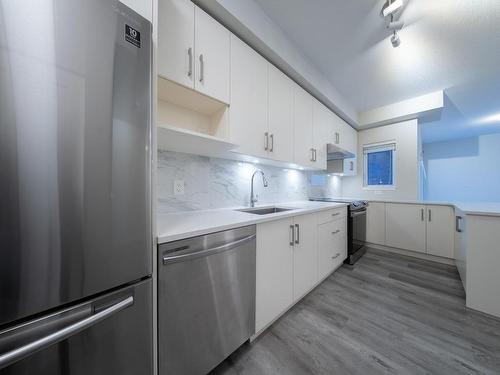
169,259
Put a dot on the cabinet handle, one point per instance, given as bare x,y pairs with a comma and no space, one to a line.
202,69
351,163
337,138
458,224
422,214
337,231
190,63
312,154
336,256
272,143
336,214
292,234
297,240
315,155
430,215
266,141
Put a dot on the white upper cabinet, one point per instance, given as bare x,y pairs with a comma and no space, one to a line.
343,135
176,41
302,128
406,226
440,231
212,45
322,128
249,100
193,48
280,115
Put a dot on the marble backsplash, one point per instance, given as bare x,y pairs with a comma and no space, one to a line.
218,183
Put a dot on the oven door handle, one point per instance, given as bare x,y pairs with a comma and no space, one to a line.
354,214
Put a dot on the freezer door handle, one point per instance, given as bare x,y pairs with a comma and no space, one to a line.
24,351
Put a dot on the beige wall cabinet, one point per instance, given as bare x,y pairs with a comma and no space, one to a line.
280,131
249,100
302,128
193,49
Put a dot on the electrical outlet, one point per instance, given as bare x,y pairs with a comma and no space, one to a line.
179,187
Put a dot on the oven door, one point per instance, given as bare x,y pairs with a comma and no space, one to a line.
358,219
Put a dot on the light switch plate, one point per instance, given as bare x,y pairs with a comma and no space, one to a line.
179,187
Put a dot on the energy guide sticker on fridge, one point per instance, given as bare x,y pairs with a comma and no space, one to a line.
132,36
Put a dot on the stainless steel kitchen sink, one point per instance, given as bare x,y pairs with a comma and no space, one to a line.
265,210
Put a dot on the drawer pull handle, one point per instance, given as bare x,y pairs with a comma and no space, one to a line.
336,256
336,213
337,231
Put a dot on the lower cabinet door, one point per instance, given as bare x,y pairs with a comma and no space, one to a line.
406,226
274,277
305,255
440,231
332,247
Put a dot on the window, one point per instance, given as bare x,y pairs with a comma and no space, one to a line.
379,161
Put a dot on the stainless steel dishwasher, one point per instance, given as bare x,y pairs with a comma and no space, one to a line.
206,299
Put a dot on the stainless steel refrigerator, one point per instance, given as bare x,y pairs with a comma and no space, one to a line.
75,179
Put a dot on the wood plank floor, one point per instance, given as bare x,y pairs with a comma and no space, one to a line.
387,314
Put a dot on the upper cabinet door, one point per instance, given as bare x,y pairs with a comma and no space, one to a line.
212,44
302,128
280,115
322,128
176,41
249,100
349,138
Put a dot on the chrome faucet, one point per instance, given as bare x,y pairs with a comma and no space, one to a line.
253,199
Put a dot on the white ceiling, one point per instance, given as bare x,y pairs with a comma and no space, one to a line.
446,44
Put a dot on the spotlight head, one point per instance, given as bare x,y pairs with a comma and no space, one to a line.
395,40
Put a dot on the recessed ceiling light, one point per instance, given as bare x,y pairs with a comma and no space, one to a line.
392,7
490,119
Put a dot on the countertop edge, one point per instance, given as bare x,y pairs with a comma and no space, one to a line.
254,219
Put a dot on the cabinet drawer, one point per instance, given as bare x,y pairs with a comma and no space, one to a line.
331,246
331,215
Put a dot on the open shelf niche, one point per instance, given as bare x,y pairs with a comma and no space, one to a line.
190,122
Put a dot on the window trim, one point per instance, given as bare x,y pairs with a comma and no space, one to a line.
377,147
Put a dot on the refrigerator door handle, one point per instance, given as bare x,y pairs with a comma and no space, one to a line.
24,351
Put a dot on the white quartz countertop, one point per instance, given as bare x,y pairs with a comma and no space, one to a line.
181,225
470,208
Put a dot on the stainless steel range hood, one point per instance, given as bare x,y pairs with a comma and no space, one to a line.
335,152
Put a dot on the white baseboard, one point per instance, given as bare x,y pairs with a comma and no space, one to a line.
413,254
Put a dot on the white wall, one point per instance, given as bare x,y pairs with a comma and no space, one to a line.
143,7
247,20
463,170
405,134
217,183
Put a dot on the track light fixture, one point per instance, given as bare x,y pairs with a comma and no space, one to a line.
391,6
395,40
389,9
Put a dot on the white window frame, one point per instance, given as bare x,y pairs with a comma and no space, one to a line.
377,147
